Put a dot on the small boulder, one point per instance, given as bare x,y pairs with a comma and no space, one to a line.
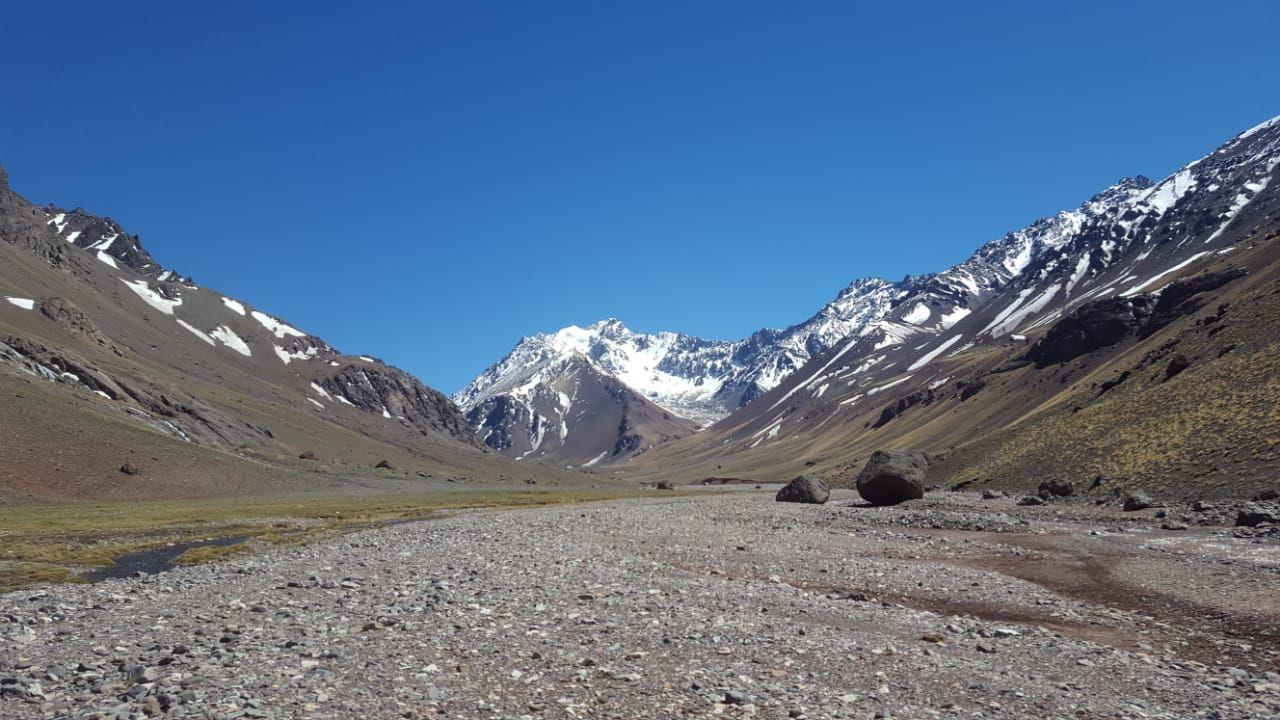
128,469
992,494
893,476
1253,515
1268,494
1031,500
1056,488
307,455
1138,501
665,485
383,465
804,489
1176,365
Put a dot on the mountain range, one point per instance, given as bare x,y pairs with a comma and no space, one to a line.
878,338
1133,338
110,360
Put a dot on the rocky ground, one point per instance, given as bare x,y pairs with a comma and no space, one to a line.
681,606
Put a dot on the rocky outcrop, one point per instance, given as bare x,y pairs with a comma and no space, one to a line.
67,315
179,413
804,489
893,476
1104,323
383,389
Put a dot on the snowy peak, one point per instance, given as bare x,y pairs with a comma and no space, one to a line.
1123,239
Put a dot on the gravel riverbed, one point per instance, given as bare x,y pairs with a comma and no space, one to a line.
679,606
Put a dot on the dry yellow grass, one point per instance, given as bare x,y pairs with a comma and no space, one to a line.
212,553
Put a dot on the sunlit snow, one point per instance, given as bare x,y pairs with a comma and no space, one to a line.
277,328
227,337
152,298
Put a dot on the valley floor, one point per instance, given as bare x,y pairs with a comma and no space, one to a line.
679,606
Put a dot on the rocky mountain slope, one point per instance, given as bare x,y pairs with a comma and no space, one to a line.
137,355
1134,339
1051,265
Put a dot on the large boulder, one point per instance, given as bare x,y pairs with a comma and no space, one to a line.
1254,514
892,476
804,489
1056,488
1138,501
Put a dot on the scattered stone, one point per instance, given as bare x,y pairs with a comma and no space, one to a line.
129,469
993,494
1030,500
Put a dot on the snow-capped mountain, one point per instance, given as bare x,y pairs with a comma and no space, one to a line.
993,327
705,380
86,307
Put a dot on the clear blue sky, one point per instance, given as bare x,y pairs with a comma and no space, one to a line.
429,182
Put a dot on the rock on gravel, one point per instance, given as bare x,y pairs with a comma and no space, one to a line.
1138,501
804,489
893,476
1255,514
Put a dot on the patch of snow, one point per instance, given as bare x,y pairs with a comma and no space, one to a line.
918,314
108,260
196,331
1258,128
59,221
235,306
151,297
929,356
385,413
939,383
1082,267
1135,289
286,356
73,237
227,337
1164,196
366,358
1014,319
315,402
954,317
888,385
24,303
848,346
592,462
277,328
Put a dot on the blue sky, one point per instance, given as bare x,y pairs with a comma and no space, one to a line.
429,182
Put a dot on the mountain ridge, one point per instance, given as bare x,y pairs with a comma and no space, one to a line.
706,380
